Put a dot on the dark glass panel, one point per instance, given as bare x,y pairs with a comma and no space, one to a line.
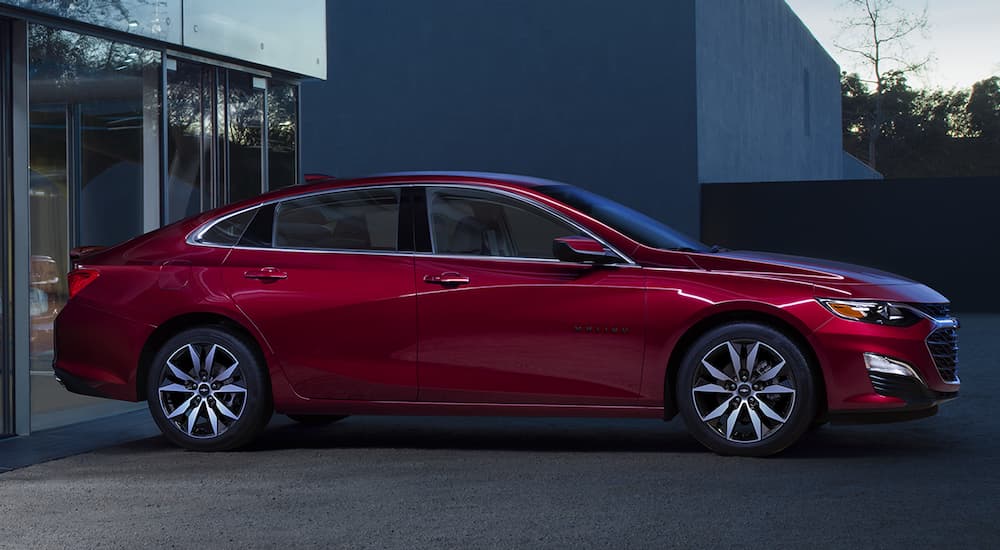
244,132
111,166
189,134
282,116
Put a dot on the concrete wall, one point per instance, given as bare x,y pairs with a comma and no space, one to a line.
591,92
854,169
941,232
768,95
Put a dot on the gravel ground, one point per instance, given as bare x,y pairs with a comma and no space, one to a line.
391,482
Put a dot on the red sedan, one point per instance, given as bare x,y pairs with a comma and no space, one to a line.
473,294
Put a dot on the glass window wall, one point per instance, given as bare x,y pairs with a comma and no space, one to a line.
93,151
190,118
244,131
103,168
282,134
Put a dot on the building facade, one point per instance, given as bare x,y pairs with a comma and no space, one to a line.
119,116
640,100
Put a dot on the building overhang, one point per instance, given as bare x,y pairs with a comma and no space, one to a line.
259,32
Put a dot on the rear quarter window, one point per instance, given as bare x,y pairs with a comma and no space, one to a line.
227,231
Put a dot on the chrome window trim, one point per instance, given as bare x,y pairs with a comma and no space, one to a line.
203,228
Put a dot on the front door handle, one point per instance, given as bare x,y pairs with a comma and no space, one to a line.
266,274
447,279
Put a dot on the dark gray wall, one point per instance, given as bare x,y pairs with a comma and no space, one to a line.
768,96
941,232
598,93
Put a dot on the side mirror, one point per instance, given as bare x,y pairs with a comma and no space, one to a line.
582,250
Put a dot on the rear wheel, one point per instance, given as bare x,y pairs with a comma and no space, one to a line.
316,419
746,389
208,391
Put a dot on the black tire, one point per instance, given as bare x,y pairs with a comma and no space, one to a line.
246,392
316,419
756,395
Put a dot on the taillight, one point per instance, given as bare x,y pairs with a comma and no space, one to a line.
79,279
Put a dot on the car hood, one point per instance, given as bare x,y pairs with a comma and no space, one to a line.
783,264
829,278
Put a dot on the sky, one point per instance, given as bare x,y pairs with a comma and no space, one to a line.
963,39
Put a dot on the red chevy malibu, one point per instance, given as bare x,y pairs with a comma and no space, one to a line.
484,294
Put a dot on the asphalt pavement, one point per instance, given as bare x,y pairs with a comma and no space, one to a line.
390,482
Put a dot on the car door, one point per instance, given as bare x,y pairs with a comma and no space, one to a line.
328,280
501,321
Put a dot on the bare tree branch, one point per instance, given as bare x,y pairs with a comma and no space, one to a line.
878,32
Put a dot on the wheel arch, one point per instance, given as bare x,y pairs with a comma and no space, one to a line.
720,318
174,326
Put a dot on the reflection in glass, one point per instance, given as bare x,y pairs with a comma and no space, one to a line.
94,107
244,131
158,19
282,107
190,119
49,219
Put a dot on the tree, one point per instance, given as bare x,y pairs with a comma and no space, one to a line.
984,109
856,111
927,133
878,31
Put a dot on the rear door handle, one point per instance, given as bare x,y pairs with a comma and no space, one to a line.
266,274
447,279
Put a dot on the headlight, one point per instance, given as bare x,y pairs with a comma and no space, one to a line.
866,311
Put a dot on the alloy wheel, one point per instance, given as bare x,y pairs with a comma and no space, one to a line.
744,391
202,390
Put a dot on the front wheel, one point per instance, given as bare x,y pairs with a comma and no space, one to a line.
208,391
746,389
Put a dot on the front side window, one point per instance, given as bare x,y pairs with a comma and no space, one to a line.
479,223
635,225
347,220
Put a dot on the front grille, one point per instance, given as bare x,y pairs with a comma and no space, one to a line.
943,345
937,311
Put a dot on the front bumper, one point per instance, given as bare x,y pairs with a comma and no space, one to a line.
855,393
920,401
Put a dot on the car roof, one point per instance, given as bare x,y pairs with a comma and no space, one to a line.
517,180
321,182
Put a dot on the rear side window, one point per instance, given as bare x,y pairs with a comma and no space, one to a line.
227,231
347,220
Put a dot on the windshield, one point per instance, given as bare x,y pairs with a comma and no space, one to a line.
635,225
